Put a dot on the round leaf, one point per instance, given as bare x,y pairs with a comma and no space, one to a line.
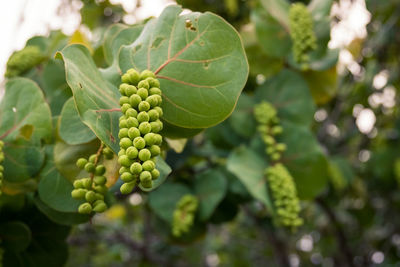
200,61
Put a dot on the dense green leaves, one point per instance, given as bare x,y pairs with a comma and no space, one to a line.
249,168
71,128
199,54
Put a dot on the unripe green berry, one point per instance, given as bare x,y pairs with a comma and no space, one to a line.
159,110
143,93
132,122
155,174
81,163
131,113
145,128
152,100
159,99
277,130
136,168
139,142
123,124
122,88
144,106
78,184
148,165
127,177
155,91
125,78
144,154
158,139
101,189
127,188
108,153
132,152
123,100
153,115
100,169
154,83
125,142
133,133
130,90
99,208
123,169
100,180
143,116
134,100
125,107
276,156
156,126
90,196
87,183
123,132
134,76
89,167
147,74
144,84
124,161
150,139
85,208
280,147
155,150
78,193
92,158
121,152
145,176
99,196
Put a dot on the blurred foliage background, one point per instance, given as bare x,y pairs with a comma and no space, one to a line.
350,195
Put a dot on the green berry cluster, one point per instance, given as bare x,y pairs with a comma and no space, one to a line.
23,60
184,214
302,33
1,166
284,193
268,126
92,189
139,129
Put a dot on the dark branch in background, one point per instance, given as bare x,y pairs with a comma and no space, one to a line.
279,246
340,235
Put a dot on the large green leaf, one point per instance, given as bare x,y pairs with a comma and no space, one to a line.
15,235
289,93
279,9
164,169
55,190
93,95
242,119
210,188
71,129
23,104
200,61
305,160
249,168
163,200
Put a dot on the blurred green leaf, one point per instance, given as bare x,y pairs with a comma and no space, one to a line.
15,235
210,188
